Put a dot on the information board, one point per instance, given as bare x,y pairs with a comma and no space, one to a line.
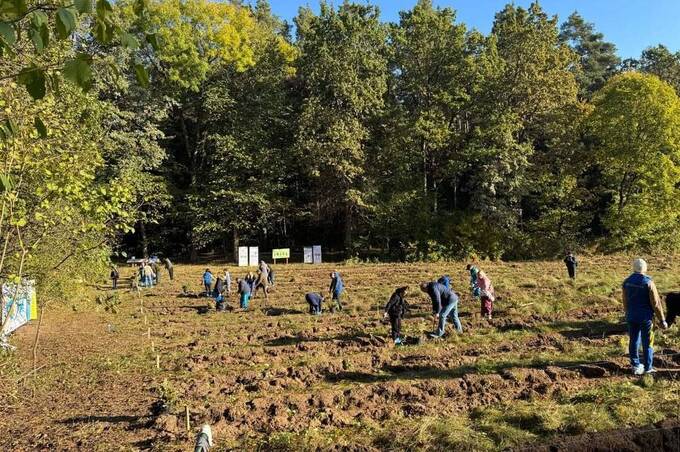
308,252
253,256
242,256
316,251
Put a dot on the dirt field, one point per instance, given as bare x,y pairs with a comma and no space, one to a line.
551,364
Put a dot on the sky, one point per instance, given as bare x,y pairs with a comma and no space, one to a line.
633,25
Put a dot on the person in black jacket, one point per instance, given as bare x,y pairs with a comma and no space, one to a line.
571,263
396,309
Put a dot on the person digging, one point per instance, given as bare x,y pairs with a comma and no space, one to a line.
444,305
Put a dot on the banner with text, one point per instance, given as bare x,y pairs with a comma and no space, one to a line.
281,253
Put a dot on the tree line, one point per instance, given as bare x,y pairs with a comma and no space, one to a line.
186,127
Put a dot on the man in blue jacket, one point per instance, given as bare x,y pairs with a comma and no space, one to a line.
444,304
336,288
641,302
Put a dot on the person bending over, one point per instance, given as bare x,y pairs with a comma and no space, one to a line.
314,300
444,304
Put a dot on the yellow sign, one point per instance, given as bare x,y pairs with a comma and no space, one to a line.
283,253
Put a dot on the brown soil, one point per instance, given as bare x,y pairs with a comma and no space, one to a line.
276,369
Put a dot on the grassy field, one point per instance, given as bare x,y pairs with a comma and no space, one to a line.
552,362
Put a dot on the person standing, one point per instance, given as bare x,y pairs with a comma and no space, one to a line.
486,293
571,263
641,303
314,300
444,304
169,268
207,281
218,294
114,277
251,279
262,280
244,291
474,271
227,280
395,310
336,288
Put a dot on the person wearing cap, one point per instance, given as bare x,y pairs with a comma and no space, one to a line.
641,303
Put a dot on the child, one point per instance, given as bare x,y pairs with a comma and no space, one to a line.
474,271
207,281
486,293
395,310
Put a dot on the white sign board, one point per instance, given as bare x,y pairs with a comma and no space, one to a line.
308,255
316,250
253,256
242,256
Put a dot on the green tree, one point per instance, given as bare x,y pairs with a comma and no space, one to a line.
635,125
663,63
343,73
598,57
430,89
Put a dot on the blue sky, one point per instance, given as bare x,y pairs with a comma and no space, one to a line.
632,25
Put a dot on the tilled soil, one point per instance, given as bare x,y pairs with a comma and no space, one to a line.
276,369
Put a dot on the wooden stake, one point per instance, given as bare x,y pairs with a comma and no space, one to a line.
186,408
145,321
158,361
153,348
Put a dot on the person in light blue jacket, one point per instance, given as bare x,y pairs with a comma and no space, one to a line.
336,288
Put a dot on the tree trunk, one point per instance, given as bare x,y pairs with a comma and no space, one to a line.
235,243
435,204
144,238
423,148
348,228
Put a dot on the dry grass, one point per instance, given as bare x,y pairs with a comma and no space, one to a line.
282,380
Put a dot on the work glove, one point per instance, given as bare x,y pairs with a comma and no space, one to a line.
664,325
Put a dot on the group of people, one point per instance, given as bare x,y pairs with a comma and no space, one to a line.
315,300
220,287
444,302
641,299
148,272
